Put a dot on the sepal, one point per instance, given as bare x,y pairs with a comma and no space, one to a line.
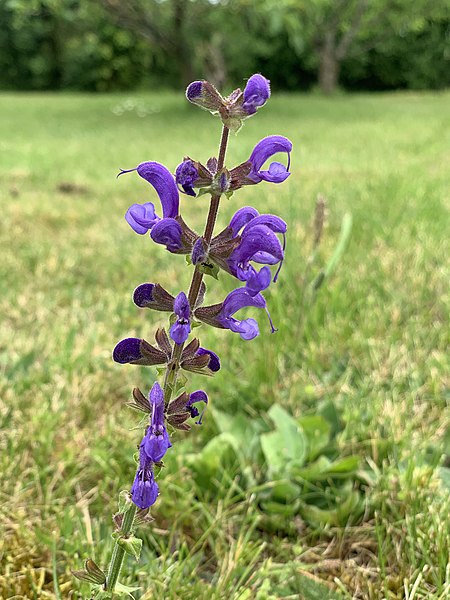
139,402
91,573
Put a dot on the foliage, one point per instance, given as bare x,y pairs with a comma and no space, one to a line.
90,45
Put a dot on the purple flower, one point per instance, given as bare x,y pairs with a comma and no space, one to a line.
181,329
205,95
241,218
143,295
221,315
237,299
256,93
137,351
198,396
186,175
156,441
141,217
127,351
168,232
214,361
263,150
144,491
258,243
255,281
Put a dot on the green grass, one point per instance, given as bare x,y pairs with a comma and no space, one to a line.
374,342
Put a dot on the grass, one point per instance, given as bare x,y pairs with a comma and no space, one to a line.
374,342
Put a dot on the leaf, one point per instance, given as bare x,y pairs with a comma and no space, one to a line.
317,431
132,545
219,455
125,590
285,445
344,466
316,471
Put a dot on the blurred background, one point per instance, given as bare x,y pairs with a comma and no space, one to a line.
107,45
354,385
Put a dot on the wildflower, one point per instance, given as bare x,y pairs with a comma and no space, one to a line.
264,149
180,330
256,93
141,217
180,409
258,243
221,315
137,351
156,441
198,396
144,491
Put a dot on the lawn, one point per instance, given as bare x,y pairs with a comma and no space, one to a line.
360,364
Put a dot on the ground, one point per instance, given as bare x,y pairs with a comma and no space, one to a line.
371,343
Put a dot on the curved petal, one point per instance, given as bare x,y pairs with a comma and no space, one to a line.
263,150
127,350
214,361
258,239
198,396
257,281
256,93
162,180
264,258
238,299
271,221
241,217
141,217
167,232
143,294
277,173
247,329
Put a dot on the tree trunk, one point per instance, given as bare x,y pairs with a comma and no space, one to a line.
329,65
183,51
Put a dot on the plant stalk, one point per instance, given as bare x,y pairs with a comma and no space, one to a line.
118,555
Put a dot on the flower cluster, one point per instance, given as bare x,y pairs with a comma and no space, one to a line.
250,239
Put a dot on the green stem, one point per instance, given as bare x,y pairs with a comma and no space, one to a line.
116,563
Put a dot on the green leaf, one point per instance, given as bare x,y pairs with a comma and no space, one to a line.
286,445
317,431
219,455
132,545
344,466
209,269
125,590
316,471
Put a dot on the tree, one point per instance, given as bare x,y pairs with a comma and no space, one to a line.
335,30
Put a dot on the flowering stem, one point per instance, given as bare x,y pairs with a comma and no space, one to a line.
118,555
194,288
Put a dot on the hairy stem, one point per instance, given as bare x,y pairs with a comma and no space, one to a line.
197,277
118,555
